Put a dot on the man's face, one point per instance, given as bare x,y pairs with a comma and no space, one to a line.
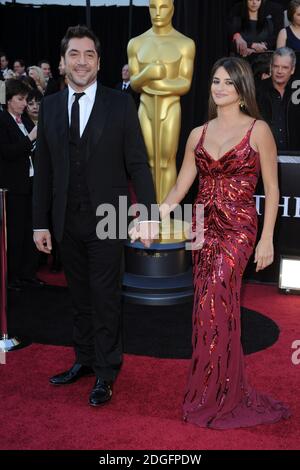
3,62
161,12
46,69
282,69
81,63
125,73
18,69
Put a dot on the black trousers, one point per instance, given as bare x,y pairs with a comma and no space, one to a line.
22,255
93,272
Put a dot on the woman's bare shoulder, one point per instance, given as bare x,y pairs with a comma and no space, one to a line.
261,135
196,133
261,127
194,137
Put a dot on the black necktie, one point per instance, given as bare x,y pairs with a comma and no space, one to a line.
75,124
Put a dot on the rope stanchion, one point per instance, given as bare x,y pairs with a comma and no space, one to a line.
6,343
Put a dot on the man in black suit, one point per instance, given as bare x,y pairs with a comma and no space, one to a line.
89,140
17,141
275,100
52,85
125,86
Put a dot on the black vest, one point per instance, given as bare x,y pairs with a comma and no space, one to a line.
78,193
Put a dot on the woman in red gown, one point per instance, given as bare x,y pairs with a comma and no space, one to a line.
227,155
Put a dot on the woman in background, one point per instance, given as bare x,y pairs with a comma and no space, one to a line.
251,32
34,99
17,142
37,75
290,36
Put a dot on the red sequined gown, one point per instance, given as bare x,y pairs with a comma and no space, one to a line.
218,395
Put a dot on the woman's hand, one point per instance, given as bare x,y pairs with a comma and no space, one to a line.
241,44
147,232
248,52
259,47
264,254
32,134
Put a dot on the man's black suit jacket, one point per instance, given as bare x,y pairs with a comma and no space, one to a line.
115,150
265,97
130,91
15,149
52,87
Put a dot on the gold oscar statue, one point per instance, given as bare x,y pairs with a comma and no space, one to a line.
161,63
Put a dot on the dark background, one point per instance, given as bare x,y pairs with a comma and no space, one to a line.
35,33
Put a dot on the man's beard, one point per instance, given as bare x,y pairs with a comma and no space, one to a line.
81,81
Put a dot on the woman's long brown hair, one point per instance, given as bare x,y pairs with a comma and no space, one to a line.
241,74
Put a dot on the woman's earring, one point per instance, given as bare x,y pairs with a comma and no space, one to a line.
242,104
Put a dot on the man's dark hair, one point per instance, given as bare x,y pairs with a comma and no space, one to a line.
78,31
15,86
3,54
21,62
44,61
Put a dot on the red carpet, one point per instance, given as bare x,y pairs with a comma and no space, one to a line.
145,412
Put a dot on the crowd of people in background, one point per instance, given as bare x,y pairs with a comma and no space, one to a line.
258,30
269,38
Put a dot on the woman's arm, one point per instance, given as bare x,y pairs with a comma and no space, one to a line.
184,181
185,178
281,39
234,25
264,141
237,42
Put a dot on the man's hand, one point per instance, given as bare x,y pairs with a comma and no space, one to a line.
42,240
147,232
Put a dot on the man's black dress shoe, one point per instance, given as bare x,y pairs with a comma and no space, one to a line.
32,282
72,375
101,392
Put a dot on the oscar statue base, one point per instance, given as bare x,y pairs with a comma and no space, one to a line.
173,231
160,275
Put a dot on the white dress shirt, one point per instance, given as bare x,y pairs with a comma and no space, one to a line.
86,104
125,85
